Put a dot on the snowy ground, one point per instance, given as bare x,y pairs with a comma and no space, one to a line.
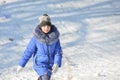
90,37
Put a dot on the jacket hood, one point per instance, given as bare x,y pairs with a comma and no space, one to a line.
48,38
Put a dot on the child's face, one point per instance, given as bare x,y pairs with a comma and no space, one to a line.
46,28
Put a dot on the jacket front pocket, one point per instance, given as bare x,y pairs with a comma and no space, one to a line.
41,59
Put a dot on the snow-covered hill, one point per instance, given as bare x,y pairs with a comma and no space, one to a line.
90,37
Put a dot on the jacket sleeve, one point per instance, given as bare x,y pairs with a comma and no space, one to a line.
31,48
58,54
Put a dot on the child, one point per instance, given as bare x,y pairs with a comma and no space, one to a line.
45,48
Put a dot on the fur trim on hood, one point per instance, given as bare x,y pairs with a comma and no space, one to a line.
48,38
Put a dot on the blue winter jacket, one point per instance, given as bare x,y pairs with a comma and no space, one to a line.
45,49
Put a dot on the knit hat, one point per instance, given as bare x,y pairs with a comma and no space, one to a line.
44,20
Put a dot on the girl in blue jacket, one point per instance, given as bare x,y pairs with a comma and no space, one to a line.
45,48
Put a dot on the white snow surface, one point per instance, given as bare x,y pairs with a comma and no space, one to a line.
90,37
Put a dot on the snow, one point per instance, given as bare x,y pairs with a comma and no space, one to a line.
90,37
